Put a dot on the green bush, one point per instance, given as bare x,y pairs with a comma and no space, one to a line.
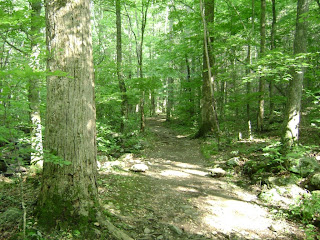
308,210
114,144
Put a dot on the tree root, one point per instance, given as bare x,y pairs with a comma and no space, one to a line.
114,231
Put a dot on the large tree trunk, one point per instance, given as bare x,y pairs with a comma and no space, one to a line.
34,87
122,85
293,108
69,189
262,80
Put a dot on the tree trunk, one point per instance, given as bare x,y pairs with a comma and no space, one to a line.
170,99
248,59
69,189
262,78
273,46
293,108
139,53
209,121
153,103
122,85
34,87
189,89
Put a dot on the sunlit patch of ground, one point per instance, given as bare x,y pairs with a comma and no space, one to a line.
229,216
176,199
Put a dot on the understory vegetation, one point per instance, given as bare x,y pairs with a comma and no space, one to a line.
255,165
232,78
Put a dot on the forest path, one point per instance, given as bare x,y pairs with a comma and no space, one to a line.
177,199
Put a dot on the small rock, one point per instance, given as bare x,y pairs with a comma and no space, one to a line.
234,153
111,164
103,158
275,228
147,231
98,165
304,166
126,157
96,224
140,167
217,172
282,195
20,169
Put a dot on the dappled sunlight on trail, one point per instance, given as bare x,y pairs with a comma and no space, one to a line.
185,202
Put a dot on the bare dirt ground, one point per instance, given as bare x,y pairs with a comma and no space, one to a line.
177,199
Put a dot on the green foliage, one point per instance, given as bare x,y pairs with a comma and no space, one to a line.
308,210
295,161
209,148
114,144
107,139
55,159
269,161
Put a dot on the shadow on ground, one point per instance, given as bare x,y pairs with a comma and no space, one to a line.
176,199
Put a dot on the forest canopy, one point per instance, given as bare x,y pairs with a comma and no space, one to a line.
79,79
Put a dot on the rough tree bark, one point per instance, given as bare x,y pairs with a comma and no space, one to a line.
293,108
69,189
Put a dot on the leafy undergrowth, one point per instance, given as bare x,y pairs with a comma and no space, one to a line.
283,182
14,193
176,199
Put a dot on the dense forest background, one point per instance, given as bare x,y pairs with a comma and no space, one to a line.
162,61
162,64
228,70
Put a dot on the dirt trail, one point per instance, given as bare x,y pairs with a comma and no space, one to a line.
176,199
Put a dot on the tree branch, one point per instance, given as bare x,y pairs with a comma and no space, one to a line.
11,45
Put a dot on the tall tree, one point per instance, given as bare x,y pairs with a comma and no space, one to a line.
262,78
34,85
169,99
273,46
293,107
139,39
69,189
170,80
249,59
122,85
209,120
